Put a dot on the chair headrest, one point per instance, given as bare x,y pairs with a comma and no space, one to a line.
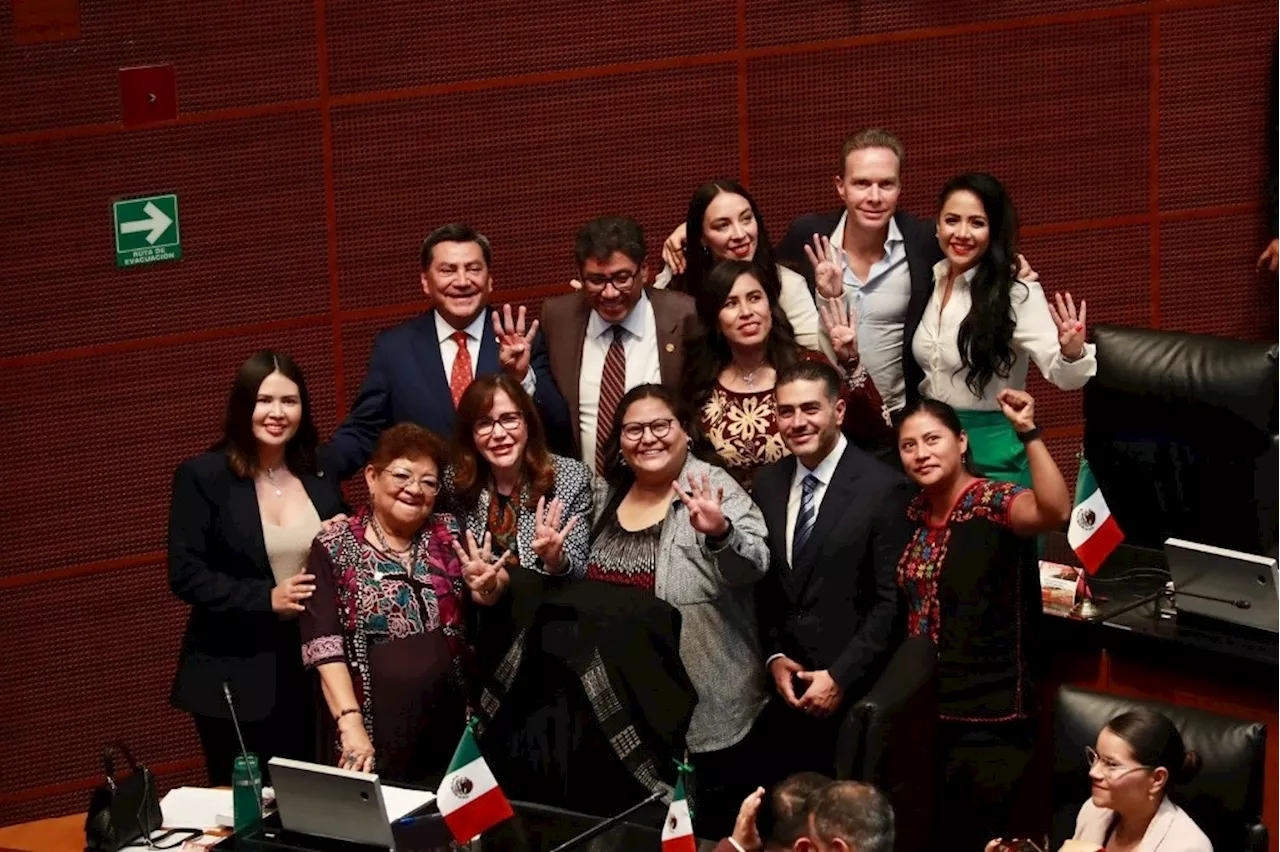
1234,376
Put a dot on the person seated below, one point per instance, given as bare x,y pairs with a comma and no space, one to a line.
1138,759
774,822
848,816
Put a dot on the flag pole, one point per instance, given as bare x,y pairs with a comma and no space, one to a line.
1085,607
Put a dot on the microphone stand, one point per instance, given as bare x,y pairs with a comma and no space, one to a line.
244,752
607,824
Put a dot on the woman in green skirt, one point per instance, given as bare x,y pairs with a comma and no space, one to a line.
982,325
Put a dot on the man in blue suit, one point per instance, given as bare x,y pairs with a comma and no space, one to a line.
419,369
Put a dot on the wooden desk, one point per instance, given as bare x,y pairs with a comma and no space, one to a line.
59,834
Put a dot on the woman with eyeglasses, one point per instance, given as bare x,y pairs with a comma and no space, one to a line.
725,223
969,578
673,525
241,520
506,484
387,625
1138,760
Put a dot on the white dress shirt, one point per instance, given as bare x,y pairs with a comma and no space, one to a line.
823,473
1035,337
449,348
639,343
881,306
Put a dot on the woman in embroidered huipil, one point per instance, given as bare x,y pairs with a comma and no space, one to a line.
982,325
386,627
505,482
731,369
970,581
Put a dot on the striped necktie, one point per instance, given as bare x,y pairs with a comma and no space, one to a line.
804,520
613,384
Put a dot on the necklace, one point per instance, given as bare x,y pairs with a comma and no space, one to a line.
400,555
271,477
749,376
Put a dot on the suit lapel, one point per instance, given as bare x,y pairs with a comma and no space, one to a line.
773,505
670,342
321,497
488,348
246,518
839,495
570,345
426,353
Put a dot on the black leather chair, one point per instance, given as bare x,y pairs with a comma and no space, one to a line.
887,739
1180,432
1225,797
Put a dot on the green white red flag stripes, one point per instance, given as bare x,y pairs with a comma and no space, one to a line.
469,797
1093,532
677,831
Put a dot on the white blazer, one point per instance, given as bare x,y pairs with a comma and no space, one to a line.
797,305
1171,829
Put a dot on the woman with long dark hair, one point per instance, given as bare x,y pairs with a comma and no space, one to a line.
725,223
241,521
731,368
982,325
970,581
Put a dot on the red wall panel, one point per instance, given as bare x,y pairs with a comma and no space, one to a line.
318,142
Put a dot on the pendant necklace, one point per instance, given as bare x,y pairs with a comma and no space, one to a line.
271,477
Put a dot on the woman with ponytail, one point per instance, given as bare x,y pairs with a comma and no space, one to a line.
983,325
1138,759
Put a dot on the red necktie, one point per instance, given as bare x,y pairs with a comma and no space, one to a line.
461,375
613,384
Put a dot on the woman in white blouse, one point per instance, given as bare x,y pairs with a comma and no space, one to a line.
726,224
982,324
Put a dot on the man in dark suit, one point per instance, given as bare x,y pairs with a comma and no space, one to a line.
613,334
419,369
829,604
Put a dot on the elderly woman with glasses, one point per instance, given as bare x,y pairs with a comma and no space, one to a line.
505,484
386,625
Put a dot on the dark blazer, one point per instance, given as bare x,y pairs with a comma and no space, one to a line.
837,608
405,382
218,564
564,320
919,237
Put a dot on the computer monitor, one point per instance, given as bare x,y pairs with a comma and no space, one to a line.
1224,584
324,801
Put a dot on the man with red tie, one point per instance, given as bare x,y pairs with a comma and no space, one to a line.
419,368
613,334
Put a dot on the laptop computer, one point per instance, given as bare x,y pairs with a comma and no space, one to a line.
1224,584
325,801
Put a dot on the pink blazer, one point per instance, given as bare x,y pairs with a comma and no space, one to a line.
1171,829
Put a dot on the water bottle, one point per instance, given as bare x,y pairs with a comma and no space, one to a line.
246,792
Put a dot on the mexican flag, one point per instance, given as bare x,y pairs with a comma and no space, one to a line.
1093,533
469,798
677,831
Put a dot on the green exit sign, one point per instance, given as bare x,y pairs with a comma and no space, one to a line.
146,230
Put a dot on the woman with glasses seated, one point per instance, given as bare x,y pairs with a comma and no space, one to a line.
386,627
732,365
725,223
506,484
1138,759
685,531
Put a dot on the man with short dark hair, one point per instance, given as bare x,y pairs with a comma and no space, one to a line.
612,334
419,368
849,816
776,820
837,526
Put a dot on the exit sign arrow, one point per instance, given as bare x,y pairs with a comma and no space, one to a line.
147,229
156,222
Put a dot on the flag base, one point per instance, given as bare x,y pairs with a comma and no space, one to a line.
1087,609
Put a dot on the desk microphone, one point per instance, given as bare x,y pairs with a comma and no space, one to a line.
601,828
244,752
1238,603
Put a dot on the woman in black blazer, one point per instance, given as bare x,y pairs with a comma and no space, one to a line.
241,520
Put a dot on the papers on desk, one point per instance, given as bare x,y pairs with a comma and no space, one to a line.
1058,585
196,807
401,801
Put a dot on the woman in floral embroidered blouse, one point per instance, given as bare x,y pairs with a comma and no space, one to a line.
731,369
386,626
970,581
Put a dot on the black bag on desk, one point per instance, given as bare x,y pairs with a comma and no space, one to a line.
123,809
